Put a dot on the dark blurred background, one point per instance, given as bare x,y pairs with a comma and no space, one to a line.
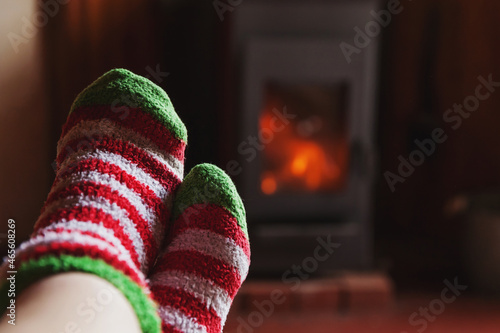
441,222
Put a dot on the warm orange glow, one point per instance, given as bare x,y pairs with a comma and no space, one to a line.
268,185
310,164
265,120
302,164
299,164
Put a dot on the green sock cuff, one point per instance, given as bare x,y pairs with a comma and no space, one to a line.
37,269
121,87
207,183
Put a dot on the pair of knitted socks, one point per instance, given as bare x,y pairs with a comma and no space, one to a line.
119,208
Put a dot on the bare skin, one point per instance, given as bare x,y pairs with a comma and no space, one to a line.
72,303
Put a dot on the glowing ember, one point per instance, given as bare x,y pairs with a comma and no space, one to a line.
310,166
268,184
298,164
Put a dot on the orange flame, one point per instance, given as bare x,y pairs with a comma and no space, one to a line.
310,165
302,164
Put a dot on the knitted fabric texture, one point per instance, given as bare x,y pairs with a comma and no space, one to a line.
220,191
120,87
120,159
207,256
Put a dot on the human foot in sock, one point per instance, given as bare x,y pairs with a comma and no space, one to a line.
119,160
207,254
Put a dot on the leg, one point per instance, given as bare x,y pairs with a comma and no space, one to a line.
119,161
207,255
72,302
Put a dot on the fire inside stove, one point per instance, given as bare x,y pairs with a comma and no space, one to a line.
309,148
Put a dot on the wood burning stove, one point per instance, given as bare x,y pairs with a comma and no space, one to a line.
310,116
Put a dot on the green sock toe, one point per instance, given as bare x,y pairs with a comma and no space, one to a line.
121,87
207,183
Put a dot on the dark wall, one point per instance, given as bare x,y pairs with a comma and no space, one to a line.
179,38
433,54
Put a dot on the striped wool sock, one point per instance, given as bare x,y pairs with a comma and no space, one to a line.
207,256
119,160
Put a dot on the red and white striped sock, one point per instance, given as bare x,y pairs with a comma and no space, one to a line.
207,256
120,159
